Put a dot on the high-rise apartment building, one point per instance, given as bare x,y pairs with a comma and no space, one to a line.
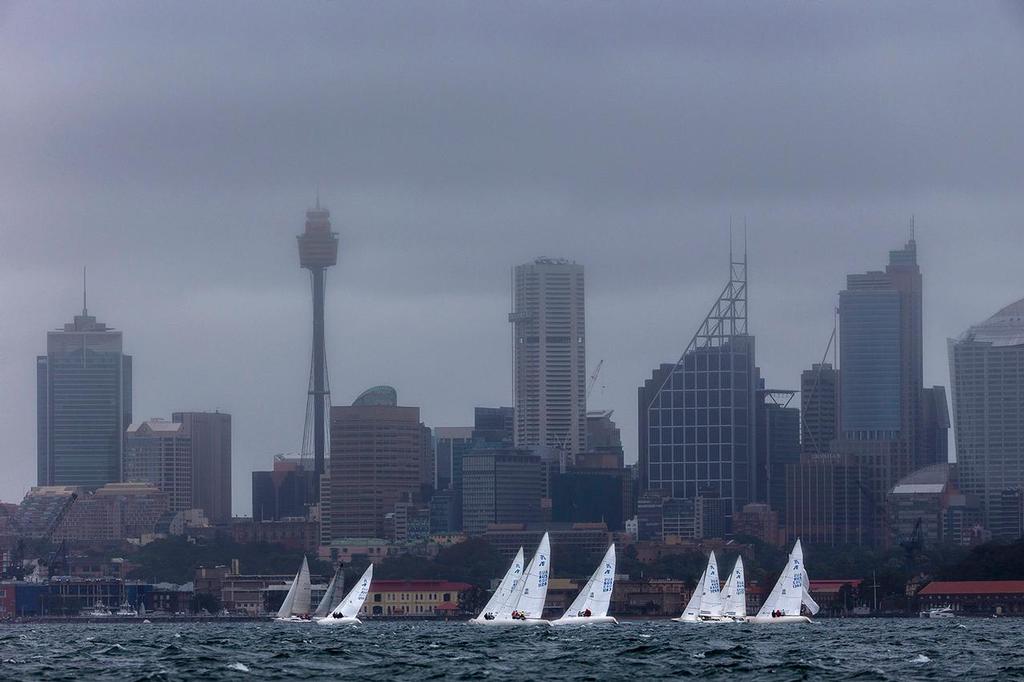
986,367
84,404
159,452
882,415
211,462
819,408
696,419
377,455
549,357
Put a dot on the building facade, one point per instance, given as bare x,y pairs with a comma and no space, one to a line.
697,418
500,486
377,455
986,366
84,404
549,357
160,452
211,462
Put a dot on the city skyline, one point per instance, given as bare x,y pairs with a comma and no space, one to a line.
189,237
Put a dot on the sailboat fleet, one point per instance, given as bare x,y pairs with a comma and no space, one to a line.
712,602
520,596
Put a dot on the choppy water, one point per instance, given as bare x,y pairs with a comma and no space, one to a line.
827,649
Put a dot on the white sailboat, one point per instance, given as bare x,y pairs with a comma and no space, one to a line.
506,588
705,605
789,594
345,612
295,607
734,594
693,606
329,601
526,602
591,605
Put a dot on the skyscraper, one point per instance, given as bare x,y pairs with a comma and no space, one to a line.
211,462
549,357
986,367
882,417
377,455
318,250
160,452
697,418
819,408
84,404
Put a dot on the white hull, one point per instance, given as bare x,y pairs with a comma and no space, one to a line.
510,621
583,620
779,619
328,620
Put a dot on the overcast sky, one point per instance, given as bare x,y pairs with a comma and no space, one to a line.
174,147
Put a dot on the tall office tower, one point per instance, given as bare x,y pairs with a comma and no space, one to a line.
500,486
881,393
819,408
160,452
376,462
697,418
211,462
450,443
986,367
318,250
778,445
549,357
84,404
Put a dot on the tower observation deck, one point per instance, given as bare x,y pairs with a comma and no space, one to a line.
318,250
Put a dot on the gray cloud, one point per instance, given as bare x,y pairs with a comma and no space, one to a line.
173,147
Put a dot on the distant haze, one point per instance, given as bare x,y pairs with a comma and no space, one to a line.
173,148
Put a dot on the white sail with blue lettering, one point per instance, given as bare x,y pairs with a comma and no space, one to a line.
592,603
534,588
734,594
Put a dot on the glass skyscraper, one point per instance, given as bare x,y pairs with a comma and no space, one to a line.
84,404
986,366
697,417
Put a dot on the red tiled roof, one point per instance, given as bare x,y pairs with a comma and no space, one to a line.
945,587
832,585
418,586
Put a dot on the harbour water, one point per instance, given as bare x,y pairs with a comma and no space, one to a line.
869,649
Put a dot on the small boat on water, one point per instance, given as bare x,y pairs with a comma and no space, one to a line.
296,604
526,596
939,612
345,612
591,605
789,594
329,602
705,605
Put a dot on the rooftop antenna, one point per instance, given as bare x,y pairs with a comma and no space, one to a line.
85,307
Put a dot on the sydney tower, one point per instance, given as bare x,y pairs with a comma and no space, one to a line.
318,250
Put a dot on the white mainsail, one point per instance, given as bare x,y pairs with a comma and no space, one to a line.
787,595
506,588
734,594
711,597
296,602
533,590
596,595
353,601
693,606
328,602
